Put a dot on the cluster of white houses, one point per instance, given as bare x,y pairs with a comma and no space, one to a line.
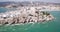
25,15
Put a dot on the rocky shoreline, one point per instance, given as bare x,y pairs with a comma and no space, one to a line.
25,16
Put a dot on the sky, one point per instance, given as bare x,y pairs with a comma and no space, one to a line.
54,1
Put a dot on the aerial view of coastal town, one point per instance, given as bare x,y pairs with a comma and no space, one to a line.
29,15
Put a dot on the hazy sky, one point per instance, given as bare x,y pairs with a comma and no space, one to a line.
55,1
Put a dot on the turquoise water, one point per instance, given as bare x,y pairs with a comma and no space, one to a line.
2,9
51,26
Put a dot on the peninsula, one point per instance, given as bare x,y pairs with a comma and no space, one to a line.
29,13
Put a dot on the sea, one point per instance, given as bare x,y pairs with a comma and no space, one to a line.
49,26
